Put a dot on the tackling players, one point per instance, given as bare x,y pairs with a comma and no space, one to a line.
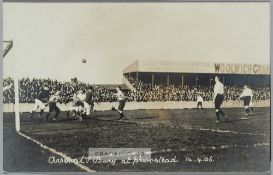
83,103
78,104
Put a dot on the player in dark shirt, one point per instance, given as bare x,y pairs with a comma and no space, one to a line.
88,102
40,102
89,99
53,100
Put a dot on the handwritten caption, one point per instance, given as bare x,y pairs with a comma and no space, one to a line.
132,161
201,159
86,160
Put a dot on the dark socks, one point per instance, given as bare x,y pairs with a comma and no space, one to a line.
31,114
217,115
41,112
67,114
122,116
56,114
221,112
47,115
247,110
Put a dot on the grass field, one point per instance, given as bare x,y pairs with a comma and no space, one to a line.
236,145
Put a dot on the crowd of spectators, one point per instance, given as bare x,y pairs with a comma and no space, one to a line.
147,92
8,95
29,89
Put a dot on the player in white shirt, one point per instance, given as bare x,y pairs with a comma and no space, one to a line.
218,99
53,100
247,98
121,99
199,101
86,107
77,105
81,95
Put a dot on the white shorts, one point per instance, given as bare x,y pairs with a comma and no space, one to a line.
38,105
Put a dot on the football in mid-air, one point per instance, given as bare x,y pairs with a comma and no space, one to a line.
83,60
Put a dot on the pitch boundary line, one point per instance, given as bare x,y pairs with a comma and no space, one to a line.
85,168
223,131
121,121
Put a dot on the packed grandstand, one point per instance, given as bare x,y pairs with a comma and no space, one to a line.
158,80
143,92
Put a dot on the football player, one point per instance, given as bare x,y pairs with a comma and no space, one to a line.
89,100
121,100
218,99
77,104
40,102
247,98
199,101
53,100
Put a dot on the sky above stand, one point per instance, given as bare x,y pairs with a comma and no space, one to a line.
51,39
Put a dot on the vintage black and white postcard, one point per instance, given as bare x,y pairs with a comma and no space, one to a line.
136,87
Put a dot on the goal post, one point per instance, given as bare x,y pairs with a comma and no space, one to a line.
7,46
16,102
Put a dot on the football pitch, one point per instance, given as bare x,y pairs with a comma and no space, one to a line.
190,136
